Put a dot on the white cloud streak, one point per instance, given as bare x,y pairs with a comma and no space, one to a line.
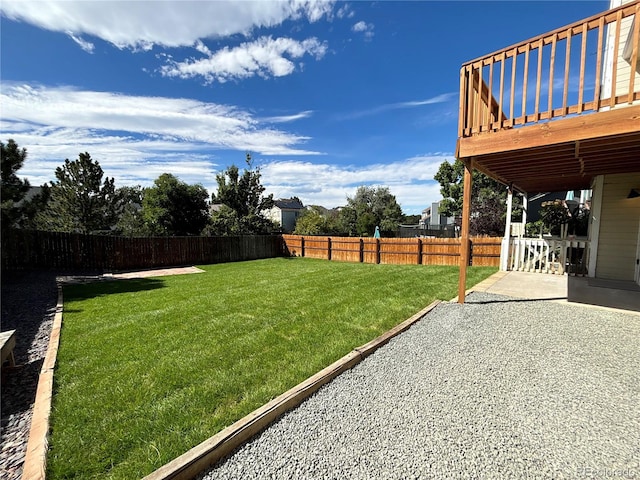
142,24
442,98
214,125
135,138
266,57
84,44
288,118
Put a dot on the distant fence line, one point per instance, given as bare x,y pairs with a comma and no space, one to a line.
23,249
485,251
437,231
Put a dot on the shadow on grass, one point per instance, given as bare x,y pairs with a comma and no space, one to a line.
110,287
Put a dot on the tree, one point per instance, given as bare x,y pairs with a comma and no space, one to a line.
79,200
311,222
488,204
243,195
562,217
411,219
13,189
174,208
371,207
130,220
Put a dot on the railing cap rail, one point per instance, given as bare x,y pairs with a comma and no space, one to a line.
628,9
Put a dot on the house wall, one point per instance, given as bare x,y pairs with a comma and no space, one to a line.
624,70
618,232
289,219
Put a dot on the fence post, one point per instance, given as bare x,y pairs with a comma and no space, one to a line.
419,251
361,250
328,248
302,246
470,251
377,250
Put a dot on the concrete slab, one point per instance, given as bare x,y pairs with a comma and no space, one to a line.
562,288
534,286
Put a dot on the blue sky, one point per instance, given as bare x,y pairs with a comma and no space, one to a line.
327,96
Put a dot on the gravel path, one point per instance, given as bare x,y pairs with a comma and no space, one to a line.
495,388
28,306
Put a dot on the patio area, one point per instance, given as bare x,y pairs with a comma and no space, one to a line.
498,387
563,288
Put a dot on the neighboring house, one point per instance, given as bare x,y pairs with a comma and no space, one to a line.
568,126
286,211
431,218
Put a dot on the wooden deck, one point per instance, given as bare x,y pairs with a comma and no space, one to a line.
540,116
553,112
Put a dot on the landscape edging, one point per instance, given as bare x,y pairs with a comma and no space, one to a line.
207,453
35,461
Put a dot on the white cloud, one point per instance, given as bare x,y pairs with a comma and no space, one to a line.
170,23
179,119
410,180
345,11
364,27
266,57
288,118
442,98
135,138
84,44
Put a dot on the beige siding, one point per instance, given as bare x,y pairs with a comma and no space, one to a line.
624,67
619,223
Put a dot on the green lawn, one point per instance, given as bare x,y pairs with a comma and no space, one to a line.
149,368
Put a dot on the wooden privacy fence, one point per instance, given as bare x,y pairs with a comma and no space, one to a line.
485,251
33,249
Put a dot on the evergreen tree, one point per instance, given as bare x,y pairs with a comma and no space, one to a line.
80,201
13,189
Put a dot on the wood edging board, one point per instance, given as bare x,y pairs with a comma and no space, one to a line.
206,454
35,461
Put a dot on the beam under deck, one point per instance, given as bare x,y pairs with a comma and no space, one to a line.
593,126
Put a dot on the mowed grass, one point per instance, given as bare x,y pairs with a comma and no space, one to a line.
149,368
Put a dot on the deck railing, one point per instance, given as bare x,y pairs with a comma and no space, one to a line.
554,75
541,255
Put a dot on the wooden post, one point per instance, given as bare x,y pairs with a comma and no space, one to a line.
377,250
302,246
361,250
506,240
419,251
328,248
464,240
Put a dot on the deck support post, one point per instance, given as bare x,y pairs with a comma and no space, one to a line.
464,240
506,240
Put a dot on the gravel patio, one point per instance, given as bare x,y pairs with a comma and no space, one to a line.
499,387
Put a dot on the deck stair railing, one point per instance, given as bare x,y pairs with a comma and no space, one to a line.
542,255
554,75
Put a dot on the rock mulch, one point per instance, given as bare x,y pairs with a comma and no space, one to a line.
28,306
496,388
